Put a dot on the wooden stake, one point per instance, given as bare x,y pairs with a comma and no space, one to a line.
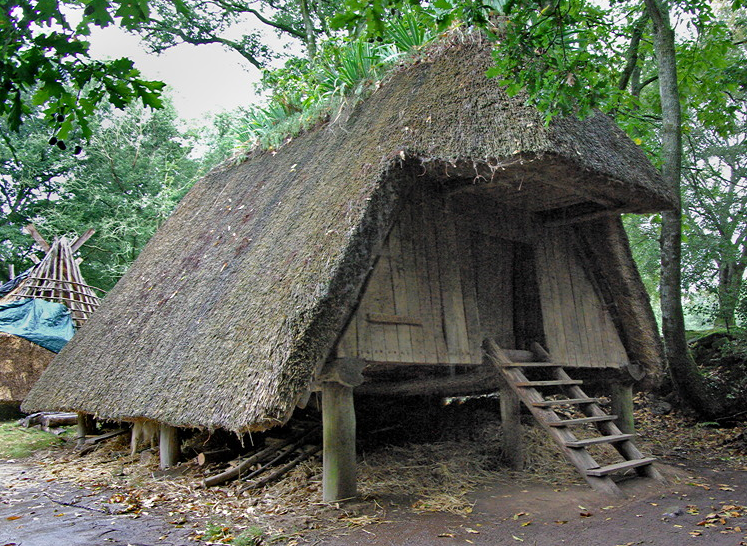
512,434
168,446
622,406
86,426
338,421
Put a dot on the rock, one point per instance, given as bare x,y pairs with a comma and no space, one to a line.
660,407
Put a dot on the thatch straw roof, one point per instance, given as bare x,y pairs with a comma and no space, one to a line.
21,364
238,299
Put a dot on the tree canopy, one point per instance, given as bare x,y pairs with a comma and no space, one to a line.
46,69
669,72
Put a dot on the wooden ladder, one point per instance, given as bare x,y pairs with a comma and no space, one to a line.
560,430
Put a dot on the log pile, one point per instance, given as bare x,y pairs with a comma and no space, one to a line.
47,421
265,464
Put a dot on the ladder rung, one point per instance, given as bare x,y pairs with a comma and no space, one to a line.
611,439
582,420
530,365
617,467
549,383
547,403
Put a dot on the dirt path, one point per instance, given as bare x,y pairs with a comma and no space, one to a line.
540,516
699,507
34,512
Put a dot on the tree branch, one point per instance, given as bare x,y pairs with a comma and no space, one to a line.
631,56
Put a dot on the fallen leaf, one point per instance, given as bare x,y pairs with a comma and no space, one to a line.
517,538
13,518
561,521
446,535
586,514
526,523
472,531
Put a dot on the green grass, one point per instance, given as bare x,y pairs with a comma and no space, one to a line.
17,442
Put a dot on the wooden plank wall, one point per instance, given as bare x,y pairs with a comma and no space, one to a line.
425,299
578,329
447,278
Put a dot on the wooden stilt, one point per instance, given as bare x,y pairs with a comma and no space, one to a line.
86,426
168,446
338,421
511,430
622,406
143,433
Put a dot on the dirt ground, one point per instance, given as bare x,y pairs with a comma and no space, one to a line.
37,511
412,495
697,506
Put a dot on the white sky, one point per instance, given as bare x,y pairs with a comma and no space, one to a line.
202,79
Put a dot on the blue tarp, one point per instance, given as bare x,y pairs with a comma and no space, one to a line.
42,322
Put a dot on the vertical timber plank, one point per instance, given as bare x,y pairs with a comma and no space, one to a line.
348,344
401,303
455,324
385,305
430,350
374,304
469,293
586,353
412,281
430,215
569,324
549,299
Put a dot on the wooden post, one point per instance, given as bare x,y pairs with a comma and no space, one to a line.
168,445
512,440
86,426
622,406
338,421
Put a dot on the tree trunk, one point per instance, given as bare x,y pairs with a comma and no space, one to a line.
309,29
689,383
729,285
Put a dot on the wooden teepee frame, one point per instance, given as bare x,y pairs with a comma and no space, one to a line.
58,278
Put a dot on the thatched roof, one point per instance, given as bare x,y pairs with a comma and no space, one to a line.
238,299
21,364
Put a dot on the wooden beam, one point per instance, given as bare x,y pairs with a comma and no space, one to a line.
622,406
585,217
86,426
393,319
484,380
338,422
512,433
168,446
31,230
80,241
